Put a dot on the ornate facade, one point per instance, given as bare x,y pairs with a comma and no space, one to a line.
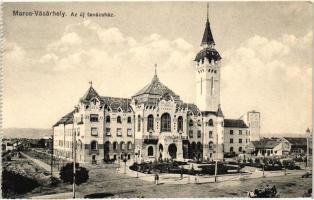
154,123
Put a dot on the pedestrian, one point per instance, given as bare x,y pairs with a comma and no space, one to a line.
156,179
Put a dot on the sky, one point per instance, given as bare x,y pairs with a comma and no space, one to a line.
266,50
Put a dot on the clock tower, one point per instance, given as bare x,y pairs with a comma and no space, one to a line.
207,73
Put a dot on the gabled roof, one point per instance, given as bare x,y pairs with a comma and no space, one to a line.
235,123
67,119
155,87
296,141
190,106
266,143
115,103
208,36
91,93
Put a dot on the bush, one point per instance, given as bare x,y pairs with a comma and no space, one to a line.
66,174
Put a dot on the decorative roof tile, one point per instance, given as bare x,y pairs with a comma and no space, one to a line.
115,103
67,119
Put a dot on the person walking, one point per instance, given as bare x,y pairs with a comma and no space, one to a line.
156,179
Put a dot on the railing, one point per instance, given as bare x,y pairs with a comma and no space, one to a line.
94,151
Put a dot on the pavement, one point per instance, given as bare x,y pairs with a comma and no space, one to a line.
247,173
66,195
43,165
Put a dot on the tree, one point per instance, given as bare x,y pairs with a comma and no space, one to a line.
66,174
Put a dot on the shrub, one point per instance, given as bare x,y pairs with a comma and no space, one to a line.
66,174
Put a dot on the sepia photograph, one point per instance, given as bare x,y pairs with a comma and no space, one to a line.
198,99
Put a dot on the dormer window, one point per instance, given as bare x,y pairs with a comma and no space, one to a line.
94,118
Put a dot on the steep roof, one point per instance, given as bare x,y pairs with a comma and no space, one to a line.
115,103
235,123
209,53
208,36
190,106
66,119
296,141
91,92
266,143
155,87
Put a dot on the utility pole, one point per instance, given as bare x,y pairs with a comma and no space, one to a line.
216,162
74,159
52,152
308,132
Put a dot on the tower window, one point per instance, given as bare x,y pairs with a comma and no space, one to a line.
231,140
108,119
150,123
210,134
180,124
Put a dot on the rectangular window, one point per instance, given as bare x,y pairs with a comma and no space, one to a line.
108,132
240,140
199,134
191,133
94,131
240,132
78,131
231,132
245,140
231,140
119,132
210,134
129,132
94,118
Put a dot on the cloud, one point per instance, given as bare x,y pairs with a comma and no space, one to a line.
268,75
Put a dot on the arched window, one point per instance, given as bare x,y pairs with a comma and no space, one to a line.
122,145
150,151
115,146
119,120
191,122
129,120
210,122
108,119
210,145
231,149
93,145
129,145
165,122
139,123
180,124
199,123
150,123
199,146
240,149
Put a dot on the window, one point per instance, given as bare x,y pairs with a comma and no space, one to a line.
245,140
231,140
129,156
115,146
210,134
180,124
129,132
199,134
191,122
199,123
231,149
210,145
150,151
139,123
108,119
119,132
119,120
240,132
122,145
240,149
129,120
94,132
191,133
108,132
231,132
129,145
78,131
93,145
94,118
150,123
165,122
240,140
210,122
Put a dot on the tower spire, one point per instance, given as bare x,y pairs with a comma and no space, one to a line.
208,38
155,69
207,11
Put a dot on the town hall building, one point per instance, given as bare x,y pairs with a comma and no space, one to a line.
155,123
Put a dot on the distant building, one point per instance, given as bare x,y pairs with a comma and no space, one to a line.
299,144
269,147
254,122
